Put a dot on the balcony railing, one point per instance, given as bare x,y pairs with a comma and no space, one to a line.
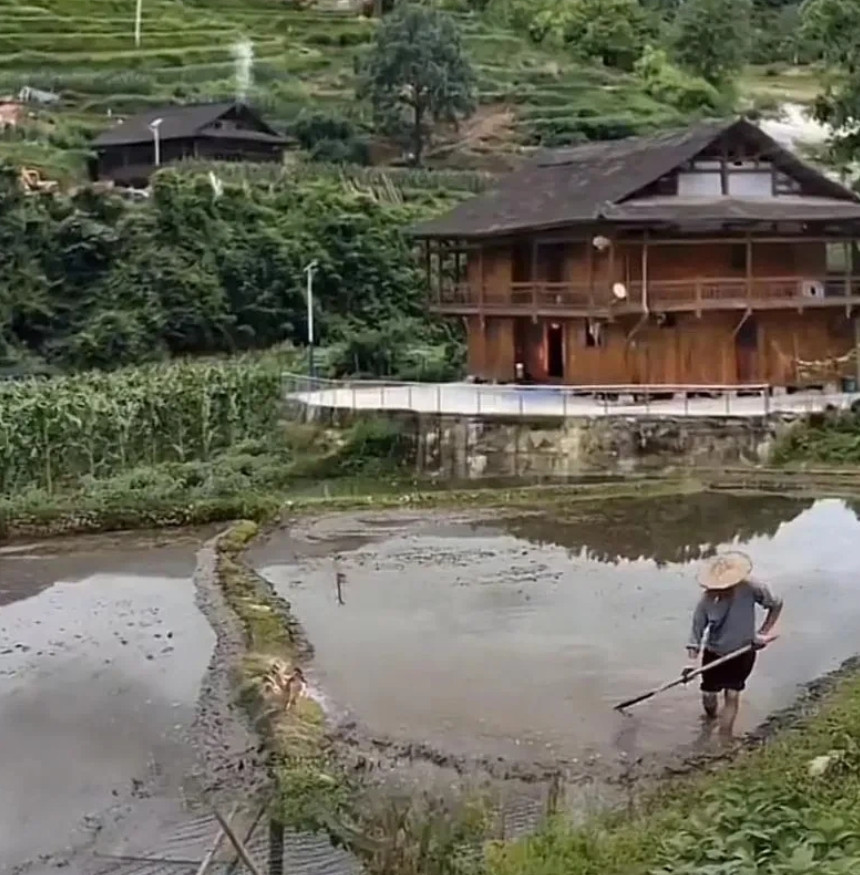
694,294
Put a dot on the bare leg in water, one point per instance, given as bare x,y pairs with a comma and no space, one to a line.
709,704
730,712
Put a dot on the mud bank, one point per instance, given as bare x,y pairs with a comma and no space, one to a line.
504,641
101,655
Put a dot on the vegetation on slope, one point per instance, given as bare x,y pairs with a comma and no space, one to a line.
542,75
93,281
822,438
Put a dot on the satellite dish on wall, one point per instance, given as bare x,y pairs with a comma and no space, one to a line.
600,243
619,290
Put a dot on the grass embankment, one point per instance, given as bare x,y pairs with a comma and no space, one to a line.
311,789
821,438
413,836
790,806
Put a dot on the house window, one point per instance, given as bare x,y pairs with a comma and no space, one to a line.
739,257
593,333
700,183
521,263
552,261
750,183
837,258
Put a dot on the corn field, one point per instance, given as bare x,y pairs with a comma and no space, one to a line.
56,430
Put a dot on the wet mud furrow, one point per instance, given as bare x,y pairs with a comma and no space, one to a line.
232,759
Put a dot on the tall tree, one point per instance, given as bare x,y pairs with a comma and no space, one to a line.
712,38
832,27
416,73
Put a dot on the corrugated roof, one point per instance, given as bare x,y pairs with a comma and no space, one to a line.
583,183
178,122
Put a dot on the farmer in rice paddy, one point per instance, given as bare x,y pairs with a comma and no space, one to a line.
725,619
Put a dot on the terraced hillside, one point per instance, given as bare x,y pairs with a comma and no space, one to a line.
84,51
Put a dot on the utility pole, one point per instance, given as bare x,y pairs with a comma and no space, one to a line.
138,13
310,270
154,125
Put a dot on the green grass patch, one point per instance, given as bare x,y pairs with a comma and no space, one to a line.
822,438
775,810
311,787
782,83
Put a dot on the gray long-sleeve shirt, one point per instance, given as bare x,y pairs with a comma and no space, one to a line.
730,619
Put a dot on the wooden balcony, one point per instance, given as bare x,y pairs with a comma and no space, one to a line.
695,295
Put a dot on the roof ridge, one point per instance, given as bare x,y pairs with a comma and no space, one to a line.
715,126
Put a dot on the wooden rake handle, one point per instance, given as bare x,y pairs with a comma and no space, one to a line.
685,678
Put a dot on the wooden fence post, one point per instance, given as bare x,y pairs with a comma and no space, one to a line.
276,847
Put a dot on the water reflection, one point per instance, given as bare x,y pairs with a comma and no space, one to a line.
674,529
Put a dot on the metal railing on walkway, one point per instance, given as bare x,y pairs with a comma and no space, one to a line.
483,399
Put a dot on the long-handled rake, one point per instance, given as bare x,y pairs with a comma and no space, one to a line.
686,677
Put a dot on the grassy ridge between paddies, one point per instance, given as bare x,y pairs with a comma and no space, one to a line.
311,789
791,805
418,835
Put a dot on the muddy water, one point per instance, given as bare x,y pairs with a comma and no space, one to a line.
101,654
514,636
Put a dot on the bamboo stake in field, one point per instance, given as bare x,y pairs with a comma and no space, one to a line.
237,843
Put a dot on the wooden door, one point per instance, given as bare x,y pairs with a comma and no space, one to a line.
746,352
555,350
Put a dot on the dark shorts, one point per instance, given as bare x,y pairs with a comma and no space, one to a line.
731,675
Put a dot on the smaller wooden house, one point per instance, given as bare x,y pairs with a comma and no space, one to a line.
132,149
705,256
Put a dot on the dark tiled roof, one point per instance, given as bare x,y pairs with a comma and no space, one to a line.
177,122
256,136
729,209
585,183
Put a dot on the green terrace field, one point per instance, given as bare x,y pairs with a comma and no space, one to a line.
84,51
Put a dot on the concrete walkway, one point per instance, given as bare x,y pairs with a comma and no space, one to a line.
482,400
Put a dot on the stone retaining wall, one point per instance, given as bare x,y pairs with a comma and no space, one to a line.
470,447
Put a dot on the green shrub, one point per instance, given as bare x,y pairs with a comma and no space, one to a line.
330,138
832,438
371,441
670,85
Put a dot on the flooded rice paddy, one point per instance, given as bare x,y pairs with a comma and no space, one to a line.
514,635
102,651
502,635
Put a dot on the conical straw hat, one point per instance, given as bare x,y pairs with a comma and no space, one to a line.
725,571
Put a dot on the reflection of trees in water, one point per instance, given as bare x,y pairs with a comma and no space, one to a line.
854,506
681,528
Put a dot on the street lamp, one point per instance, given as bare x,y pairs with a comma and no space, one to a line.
138,12
154,125
310,270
